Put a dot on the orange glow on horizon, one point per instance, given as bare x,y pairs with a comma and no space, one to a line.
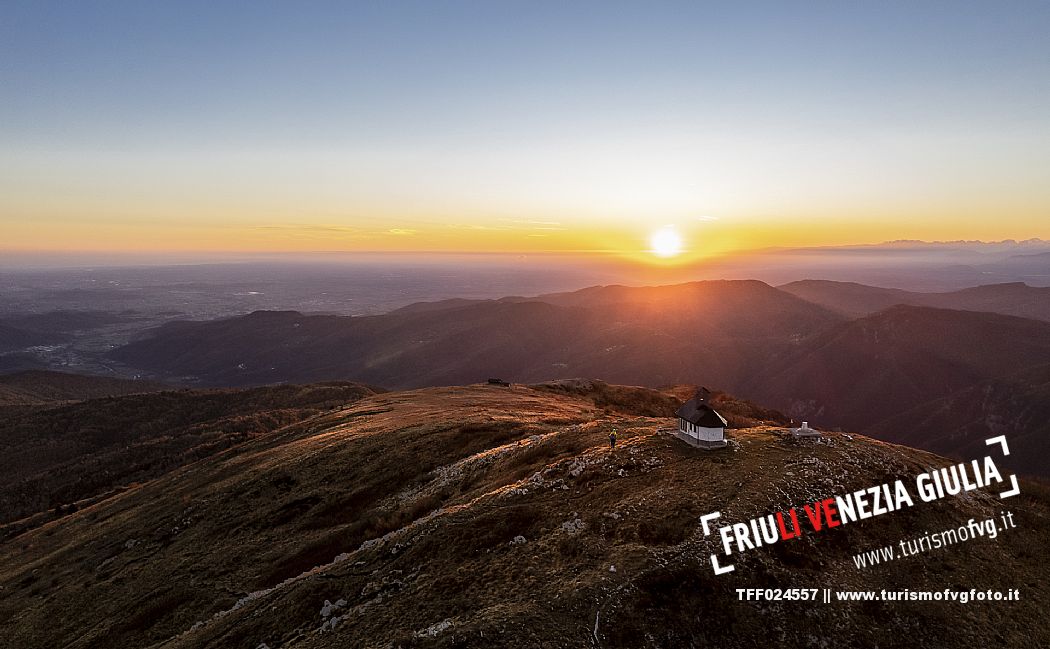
630,240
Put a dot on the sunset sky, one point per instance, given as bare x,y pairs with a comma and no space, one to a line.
520,127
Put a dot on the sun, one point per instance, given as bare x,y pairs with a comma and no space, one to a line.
665,242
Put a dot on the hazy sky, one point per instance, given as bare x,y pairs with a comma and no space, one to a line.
520,126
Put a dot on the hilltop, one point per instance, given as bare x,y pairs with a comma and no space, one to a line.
488,516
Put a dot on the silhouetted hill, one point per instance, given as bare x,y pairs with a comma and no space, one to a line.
440,305
37,387
1014,298
849,298
1017,405
493,517
715,332
852,299
866,371
56,456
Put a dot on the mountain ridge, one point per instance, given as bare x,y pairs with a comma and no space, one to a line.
39,387
857,300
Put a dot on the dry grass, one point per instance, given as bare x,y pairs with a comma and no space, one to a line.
448,474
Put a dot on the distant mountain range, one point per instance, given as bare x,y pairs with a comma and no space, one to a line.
838,354
718,332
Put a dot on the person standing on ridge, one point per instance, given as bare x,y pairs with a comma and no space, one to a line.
612,439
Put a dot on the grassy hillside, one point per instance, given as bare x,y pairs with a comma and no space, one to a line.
493,517
58,458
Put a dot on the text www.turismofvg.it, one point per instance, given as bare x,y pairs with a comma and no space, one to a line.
973,529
